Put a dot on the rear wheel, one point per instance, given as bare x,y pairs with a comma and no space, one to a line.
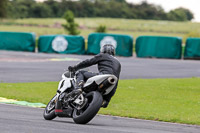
49,112
94,102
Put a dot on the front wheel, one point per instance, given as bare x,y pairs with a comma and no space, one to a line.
94,102
49,112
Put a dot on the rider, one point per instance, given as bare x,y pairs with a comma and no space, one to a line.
107,64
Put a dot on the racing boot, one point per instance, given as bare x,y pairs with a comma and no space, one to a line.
79,85
78,89
105,104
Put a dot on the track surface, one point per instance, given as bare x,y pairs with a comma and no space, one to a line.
18,119
31,67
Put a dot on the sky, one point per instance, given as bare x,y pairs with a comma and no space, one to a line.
192,5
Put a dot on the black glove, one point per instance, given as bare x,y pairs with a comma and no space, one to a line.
71,69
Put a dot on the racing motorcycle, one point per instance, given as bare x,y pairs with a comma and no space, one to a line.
83,107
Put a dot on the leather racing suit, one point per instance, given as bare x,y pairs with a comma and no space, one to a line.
107,64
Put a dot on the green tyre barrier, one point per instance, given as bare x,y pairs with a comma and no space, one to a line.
192,48
122,43
17,41
159,47
62,44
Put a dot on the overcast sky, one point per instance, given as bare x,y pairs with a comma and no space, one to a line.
192,5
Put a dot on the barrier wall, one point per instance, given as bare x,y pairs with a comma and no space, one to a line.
63,44
122,43
159,47
17,41
192,48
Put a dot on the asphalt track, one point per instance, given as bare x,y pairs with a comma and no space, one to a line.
19,119
31,67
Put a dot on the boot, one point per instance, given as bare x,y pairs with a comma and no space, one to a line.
78,88
79,85
105,104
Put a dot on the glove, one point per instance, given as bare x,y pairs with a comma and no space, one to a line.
71,69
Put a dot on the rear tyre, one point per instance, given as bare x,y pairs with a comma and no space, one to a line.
49,112
92,107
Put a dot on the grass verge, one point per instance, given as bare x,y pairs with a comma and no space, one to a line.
171,100
133,27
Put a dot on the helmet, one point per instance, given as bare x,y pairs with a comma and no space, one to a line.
109,49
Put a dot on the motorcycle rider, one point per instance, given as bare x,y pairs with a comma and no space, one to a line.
107,64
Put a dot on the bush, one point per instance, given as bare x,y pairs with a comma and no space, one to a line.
101,29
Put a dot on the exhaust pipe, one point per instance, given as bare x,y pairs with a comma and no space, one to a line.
107,83
111,80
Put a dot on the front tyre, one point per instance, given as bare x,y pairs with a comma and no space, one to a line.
49,112
93,105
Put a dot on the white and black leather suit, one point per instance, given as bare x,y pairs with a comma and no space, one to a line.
107,64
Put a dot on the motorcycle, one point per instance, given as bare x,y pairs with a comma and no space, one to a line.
83,107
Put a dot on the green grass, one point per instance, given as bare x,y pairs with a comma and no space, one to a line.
84,32
32,92
171,100
120,24
131,27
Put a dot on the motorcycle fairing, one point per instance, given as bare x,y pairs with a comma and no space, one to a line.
64,84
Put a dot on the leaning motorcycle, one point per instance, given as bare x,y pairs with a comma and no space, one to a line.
83,107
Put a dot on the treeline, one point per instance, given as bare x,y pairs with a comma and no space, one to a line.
92,8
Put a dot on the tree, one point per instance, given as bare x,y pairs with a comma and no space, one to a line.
41,10
180,14
3,8
91,8
71,27
121,1
20,8
188,13
54,6
85,9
